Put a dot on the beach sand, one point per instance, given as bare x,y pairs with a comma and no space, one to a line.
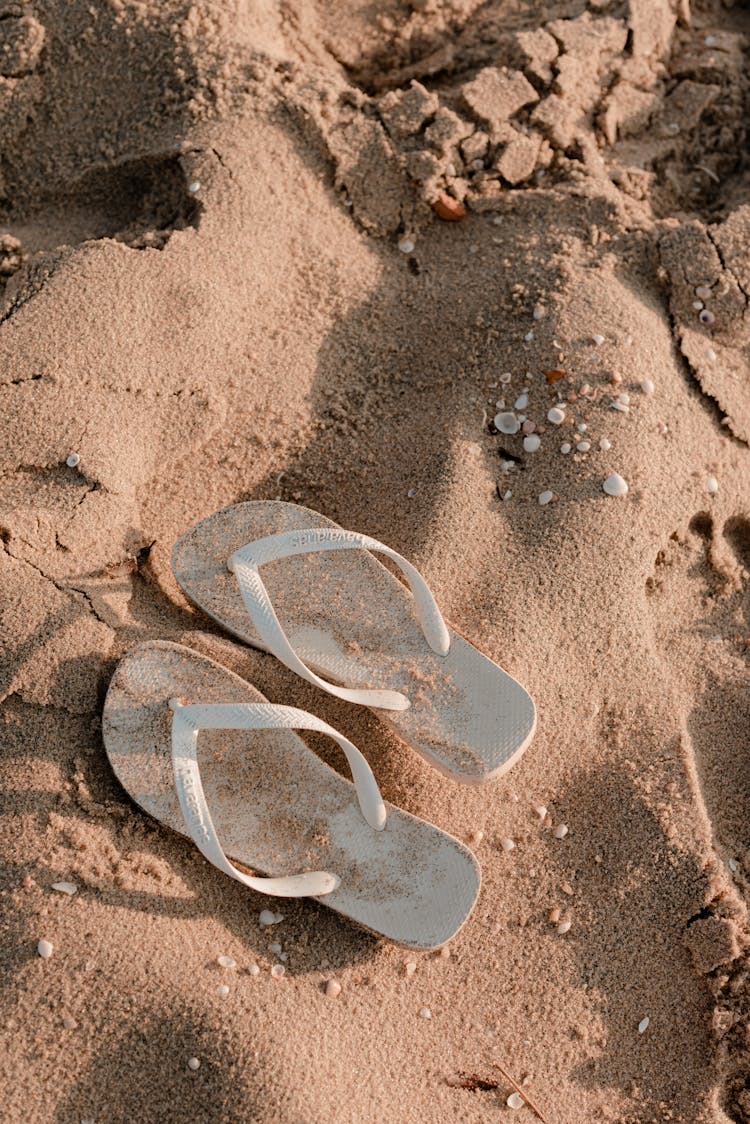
224,278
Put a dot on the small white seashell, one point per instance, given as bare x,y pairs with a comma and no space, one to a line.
426,1013
333,989
521,402
706,317
507,423
531,443
194,1063
583,446
410,968
598,340
703,291
643,1025
698,305
540,810
194,187
475,837
622,407
565,447
710,355
561,831
605,444
556,415
65,887
223,990
733,866
267,918
507,495
712,485
582,427
529,337
226,962
277,971
68,1023
274,949
648,387
73,460
405,245
515,1100
539,312
45,949
614,485
623,399
545,498
507,844
564,927
254,970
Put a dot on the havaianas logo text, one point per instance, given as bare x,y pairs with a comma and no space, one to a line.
325,536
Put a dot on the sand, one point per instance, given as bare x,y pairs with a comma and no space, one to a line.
202,297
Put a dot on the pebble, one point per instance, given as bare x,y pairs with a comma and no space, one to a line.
648,386
710,355
507,495
706,317
45,949
223,990
274,949
515,1100
194,1063
582,427
710,41
712,485
564,927
444,953
565,447
254,970
732,864
583,446
73,460
194,187
405,245
528,426
561,831
507,844
605,445
507,423
540,810
643,1025
529,337
521,402
333,989
623,407
698,305
598,340
278,971
68,1023
226,962
65,887
475,837
615,378
410,968
531,443
554,915
556,415
266,917
704,292
614,485
545,498
566,888
426,1013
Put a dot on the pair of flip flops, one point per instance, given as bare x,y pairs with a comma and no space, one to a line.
268,801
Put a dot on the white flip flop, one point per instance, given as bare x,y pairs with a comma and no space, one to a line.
348,618
205,754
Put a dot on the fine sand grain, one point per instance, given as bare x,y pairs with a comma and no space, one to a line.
308,251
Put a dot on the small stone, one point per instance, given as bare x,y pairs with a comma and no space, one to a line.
733,866
45,949
564,927
405,245
222,990
332,989
605,445
426,1013
521,402
648,387
566,888
554,915
65,887
712,485
565,448
194,187
614,485
507,844
274,949
68,1023
254,970
643,1025
710,355
475,837
561,831
226,962
583,446
73,460
194,1063
266,917
704,292
410,968
623,407
447,208
598,340
531,443
528,337
545,498
539,312
515,1100
444,953
556,415
507,423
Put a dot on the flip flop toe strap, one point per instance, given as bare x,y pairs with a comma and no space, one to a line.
188,721
245,564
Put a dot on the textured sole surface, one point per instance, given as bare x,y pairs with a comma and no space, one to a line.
353,622
277,808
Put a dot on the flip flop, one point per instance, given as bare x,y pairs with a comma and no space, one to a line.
347,617
180,733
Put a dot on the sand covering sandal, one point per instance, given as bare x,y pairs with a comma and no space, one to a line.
346,617
205,754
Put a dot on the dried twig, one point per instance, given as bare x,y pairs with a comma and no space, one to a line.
522,1093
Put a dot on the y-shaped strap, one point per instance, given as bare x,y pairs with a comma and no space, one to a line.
187,721
246,561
